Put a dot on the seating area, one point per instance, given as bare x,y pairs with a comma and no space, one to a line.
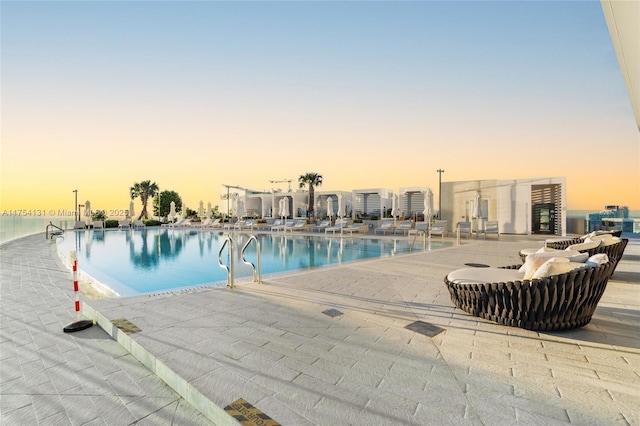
439,227
298,225
421,228
386,226
404,227
464,229
490,228
356,227
590,244
337,227
552,290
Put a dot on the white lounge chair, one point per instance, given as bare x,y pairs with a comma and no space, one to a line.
404,227
338,226
299,225
124,224
464,228
276,225
79,225
385,226
420,228
214,224
98,224
321,226
138,224
439,228
491,227
282,226
356,227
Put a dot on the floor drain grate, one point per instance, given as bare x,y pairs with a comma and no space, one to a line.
332,312
425,328
125,325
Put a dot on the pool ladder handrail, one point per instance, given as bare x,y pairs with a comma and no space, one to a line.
415,236
57,233
230,268
257,273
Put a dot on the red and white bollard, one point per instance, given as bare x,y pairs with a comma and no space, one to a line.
79,324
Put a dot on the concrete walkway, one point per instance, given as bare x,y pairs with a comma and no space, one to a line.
329,346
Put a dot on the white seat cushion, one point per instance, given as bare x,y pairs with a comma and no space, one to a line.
483,275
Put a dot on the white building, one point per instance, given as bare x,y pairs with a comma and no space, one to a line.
521,206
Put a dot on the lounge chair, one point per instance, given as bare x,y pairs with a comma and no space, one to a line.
201,224
356,227
491,227
124,224
439,228
282,226
404,227
420,228
248,224
338,226
98,224
385,226
321,226
276,225
214,224
558,296
181,223
464,228
79,225
299,225
138,224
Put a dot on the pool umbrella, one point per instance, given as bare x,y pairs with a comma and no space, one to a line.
330,208
209,210
131,213
87,208
477,212
234,207
201,210
394,207
172,211
240,208
428,205
285,207
340,206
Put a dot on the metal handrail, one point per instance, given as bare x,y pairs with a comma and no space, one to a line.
230,268
257,275
424,239
59,231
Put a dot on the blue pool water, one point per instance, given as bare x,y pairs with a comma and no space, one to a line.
158,260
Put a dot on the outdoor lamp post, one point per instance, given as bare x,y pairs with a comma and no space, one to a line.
440,172
75,206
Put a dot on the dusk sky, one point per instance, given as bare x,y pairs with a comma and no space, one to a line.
192,95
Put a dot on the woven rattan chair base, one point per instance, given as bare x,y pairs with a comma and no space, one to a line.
558,302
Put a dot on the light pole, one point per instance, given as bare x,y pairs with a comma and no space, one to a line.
75,207
440,172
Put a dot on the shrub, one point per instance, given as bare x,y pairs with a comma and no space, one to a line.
152,222
110,223
99,215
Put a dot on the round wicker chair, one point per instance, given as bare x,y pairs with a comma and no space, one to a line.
614,251
557,302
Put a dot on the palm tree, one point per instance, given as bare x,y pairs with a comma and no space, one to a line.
144,190
311,180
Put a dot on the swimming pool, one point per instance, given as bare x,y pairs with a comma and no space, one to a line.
158,260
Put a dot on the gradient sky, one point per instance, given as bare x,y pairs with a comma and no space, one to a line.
193,95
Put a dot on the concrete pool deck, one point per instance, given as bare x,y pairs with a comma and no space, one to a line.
273,346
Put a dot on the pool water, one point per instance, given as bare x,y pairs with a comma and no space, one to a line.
158,260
